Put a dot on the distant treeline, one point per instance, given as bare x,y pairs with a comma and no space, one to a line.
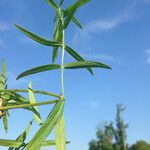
110,137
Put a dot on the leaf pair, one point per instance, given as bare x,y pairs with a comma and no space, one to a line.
54,44
73,65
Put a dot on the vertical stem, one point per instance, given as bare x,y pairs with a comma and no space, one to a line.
62,58
60,126
62,61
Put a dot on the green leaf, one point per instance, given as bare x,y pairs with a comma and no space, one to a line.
75,20
85,64
3,114
5,120
70,11
75,55
54,5
3,75
38,69
9,96
59,10
50,143
60,134
57,37
38,38
61,2
33,110
10,143
22,137
32,100
46,128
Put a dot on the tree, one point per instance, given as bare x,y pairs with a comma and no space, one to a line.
140,145
109,137
120,132
93,145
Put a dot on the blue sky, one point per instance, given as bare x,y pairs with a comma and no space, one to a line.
116,33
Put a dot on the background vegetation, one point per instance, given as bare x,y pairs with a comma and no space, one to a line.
113,137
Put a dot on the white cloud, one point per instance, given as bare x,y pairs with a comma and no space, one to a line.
102,25
4,26
148,55
99,25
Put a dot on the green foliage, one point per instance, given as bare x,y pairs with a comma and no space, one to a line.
33,100
93,145
3,75
22,137
110,137
47,126
8,143
70,11
38,38
38,69
120,133
10,99
85,64
140,145
107,147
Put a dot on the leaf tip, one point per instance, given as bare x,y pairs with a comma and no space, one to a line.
18,77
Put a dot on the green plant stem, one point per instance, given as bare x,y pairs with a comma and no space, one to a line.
29,105
35,91
62,63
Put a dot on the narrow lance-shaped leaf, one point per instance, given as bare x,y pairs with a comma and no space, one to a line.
59,10
57,37
22,137
70,11
75,55
85,64
46,128
54,5
60,134
33,100
3,75
50,143
24,134
9,96
5,120
75,20
8,143
61,2
38,38
39,69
